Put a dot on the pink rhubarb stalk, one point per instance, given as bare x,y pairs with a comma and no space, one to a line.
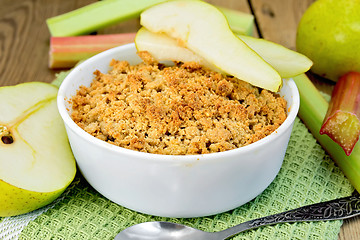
342,120
65,52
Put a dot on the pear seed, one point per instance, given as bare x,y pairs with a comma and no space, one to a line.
7,139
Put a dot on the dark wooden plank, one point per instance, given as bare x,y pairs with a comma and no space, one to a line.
278,19
24,38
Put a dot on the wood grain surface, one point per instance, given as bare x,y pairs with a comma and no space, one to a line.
24,42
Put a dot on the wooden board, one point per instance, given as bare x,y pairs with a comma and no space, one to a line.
24,42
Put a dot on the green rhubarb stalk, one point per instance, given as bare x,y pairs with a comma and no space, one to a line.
313,108
96,16
239,22
65,52
341,122
108,12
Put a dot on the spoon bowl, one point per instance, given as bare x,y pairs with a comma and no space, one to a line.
163,231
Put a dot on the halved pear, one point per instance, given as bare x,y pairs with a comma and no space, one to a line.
203,29
288,63
36,161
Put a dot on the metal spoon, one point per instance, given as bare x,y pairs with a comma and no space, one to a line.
341,208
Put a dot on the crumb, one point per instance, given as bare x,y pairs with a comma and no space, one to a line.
175,110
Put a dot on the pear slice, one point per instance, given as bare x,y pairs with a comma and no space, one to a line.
36,161
164,48
203,29
288,63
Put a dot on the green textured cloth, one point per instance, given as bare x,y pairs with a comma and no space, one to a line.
307,176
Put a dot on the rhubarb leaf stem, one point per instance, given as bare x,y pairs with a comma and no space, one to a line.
341,122
313,108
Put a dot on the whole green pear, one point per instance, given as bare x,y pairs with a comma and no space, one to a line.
329,34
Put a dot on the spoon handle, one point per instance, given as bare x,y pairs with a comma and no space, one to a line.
341,208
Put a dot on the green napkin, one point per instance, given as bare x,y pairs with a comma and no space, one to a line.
308,175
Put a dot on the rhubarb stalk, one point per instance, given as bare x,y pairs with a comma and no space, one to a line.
96,16
101,14
239,22
65,52
341,122
312,111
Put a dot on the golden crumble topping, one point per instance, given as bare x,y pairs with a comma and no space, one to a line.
175,110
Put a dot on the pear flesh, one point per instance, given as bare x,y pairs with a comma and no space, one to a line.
204,30
164,48
36,161
288,63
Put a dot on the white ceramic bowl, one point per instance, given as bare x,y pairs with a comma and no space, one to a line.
173,186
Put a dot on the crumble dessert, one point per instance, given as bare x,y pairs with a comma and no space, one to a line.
175,110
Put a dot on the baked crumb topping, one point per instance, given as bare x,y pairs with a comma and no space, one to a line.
175,110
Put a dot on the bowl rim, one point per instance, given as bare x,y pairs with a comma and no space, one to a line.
61,99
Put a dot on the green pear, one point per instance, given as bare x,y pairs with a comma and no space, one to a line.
36,161
329,34
288,63
204,30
